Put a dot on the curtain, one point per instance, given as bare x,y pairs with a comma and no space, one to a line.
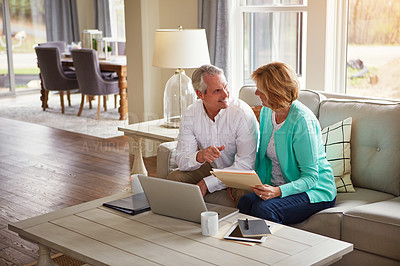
103,17
62,21
214,18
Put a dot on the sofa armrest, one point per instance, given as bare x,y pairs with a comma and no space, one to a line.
166,158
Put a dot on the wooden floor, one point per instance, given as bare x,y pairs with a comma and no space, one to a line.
43,169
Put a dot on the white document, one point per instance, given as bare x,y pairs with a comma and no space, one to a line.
243,179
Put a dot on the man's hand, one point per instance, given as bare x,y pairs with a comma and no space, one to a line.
209,154
203,187
266,192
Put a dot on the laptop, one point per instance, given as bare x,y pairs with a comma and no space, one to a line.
179,200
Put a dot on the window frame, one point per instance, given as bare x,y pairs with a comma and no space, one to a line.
238,39
325,44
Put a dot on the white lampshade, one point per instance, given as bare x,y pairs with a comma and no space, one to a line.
179,49
174,48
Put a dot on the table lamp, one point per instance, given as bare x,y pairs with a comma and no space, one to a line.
179,48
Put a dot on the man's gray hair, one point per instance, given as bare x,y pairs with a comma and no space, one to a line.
198,74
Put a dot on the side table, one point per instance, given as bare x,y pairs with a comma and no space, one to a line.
153,130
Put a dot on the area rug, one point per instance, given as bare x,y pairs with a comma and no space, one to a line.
28,108
62,260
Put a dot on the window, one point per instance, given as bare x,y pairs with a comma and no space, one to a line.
373,48
117,19
272,30
26,22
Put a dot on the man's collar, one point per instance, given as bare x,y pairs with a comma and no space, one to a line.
220,112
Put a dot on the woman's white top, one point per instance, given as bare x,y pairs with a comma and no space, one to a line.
277,178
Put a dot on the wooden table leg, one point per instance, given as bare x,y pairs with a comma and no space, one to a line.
123,102
44,257
135,148
43,94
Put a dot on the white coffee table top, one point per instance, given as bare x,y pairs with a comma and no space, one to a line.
153,129
98,235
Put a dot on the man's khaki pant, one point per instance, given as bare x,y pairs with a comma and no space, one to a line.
195,176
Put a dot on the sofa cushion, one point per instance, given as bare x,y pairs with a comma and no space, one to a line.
327,222
309,98
374,228
336,139
312,100
375,141
247,94
166,158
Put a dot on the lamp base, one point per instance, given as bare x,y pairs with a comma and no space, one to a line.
178,95
172,123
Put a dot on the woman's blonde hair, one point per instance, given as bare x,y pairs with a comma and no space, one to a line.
278,82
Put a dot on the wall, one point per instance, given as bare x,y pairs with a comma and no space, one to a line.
85,14
145,82
316,37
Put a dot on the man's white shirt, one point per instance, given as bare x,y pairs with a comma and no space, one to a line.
236,127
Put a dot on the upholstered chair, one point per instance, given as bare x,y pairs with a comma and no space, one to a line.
53,76
121,48
92,81
61,45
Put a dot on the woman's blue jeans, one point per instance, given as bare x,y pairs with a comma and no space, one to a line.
288,210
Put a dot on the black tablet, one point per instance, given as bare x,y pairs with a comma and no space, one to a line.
235,234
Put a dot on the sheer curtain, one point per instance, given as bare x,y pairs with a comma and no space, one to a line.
61,20
102,8
213,17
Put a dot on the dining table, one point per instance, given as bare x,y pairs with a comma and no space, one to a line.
115,64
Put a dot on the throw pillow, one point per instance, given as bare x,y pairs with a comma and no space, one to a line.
336,139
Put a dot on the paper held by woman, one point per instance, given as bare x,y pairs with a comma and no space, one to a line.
243,179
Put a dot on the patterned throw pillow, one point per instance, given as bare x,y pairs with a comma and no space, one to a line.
336,139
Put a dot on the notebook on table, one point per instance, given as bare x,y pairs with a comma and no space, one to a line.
179,200
132,205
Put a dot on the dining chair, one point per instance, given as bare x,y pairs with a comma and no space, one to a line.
121,48
92,81
53,76
62,48
61,45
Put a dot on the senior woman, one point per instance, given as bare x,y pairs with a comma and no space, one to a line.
291,161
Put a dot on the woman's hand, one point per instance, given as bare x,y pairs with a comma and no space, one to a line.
266,192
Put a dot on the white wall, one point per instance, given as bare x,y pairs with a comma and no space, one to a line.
145,82
316,37
86,14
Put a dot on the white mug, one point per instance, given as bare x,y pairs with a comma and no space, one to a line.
209,223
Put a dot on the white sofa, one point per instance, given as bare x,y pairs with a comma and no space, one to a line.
370,217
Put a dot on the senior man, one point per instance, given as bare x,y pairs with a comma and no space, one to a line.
216,131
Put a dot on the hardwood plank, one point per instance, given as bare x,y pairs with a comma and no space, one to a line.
43,169
9,256
11,240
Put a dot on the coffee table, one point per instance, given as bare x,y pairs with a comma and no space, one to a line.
98,235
